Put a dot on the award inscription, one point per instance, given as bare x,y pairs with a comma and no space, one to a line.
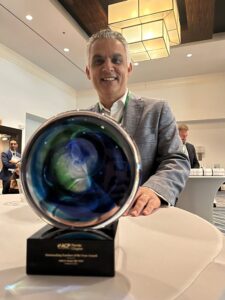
71,259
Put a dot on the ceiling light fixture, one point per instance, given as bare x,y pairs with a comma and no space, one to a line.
29,17
150,27
66,49
189,55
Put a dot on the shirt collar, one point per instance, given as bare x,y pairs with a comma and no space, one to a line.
115,105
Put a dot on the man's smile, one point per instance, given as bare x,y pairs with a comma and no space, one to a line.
110,78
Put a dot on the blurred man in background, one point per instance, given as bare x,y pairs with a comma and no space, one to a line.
188,148
9,158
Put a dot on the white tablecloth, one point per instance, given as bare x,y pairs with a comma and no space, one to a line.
171,254
199,194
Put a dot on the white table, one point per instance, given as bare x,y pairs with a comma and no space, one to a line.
199,194
171,254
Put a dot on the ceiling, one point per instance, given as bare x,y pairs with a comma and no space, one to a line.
55,26
196,16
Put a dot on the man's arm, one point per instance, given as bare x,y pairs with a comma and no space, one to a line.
6,162
172,168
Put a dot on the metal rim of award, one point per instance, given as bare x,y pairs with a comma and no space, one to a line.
32,167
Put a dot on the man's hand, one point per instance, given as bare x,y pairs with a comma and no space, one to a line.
146,201
12,161
15,160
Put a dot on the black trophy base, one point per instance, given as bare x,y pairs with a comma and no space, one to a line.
52,251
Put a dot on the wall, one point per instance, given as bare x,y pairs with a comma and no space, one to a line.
210,135
191,98
26,88
33,122
198,101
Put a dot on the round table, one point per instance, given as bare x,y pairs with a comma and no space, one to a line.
171,254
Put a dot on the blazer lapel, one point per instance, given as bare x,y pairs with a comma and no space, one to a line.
132,115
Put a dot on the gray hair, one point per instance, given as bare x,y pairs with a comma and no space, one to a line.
108,34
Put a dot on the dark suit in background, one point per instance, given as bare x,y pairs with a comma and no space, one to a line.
192,155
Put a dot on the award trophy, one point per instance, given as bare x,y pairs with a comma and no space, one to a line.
80,172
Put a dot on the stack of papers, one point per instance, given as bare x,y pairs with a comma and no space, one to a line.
208,172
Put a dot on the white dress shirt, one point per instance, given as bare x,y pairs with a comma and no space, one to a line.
116,110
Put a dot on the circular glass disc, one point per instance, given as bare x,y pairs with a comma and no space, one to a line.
79,170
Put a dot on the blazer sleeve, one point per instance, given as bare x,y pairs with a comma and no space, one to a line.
5,161
172,166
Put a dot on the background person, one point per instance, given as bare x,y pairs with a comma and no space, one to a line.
150,123
188,148
9,160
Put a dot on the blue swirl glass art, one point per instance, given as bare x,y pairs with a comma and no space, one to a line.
80,169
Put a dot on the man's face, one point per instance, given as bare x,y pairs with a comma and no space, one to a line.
13,145
183,135
108,69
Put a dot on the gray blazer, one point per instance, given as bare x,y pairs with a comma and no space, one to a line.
152,126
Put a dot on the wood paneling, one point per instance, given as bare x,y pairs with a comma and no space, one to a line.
200,20
91,15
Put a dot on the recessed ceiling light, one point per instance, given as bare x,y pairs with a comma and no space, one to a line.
189,55
136,64
29,17
66,49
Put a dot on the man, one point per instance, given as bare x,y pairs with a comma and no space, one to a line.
188,148
150,123
9,160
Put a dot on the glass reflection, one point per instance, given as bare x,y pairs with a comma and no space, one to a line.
67,234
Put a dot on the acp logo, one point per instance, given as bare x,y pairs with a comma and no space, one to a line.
70,246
